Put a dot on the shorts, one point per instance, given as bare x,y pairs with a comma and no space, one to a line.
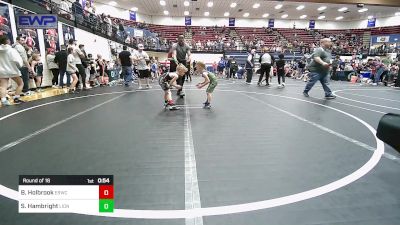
211,87
144,74
69,73
220,69
165,86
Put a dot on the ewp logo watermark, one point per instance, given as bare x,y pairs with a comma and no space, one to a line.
37,21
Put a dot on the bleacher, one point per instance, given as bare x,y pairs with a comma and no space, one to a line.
385,30
251,34
297,35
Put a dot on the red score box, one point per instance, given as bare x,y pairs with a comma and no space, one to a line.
106,192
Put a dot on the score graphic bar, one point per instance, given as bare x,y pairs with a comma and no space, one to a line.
66,193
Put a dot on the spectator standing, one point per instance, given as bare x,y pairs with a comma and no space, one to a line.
10,61
125,60
319,68
280,70
25,68
141,58
72,70
234,68
65,8
77,10
37,68
266,61
61,58
335,65
78,62
250,65
221,66
53,67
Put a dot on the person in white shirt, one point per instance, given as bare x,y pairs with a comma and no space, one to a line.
10,62
65,7
72,70
266,61
52,66
141,59
78,54
25,68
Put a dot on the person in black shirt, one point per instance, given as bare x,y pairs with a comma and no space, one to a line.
61,60
234,68
280,70
126,64
250,65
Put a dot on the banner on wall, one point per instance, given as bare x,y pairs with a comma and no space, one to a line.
51,40
132,15
37,21
188,20
271,23
382,39
311,25
5,25
68,33
371,22
138,33
231,22
30,35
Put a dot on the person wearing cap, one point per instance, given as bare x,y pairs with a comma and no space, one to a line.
180,54
61,59
140,57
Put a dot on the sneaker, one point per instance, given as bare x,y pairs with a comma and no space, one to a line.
207,106
29,93
5,103
140,88
279,85
330,96
72,91
18,101
267,85
149,86
306,94
182,94
173,107
258,84
248,83
283,84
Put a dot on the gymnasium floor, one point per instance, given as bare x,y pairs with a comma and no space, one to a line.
270,154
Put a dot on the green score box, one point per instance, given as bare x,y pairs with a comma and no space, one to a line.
106,205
